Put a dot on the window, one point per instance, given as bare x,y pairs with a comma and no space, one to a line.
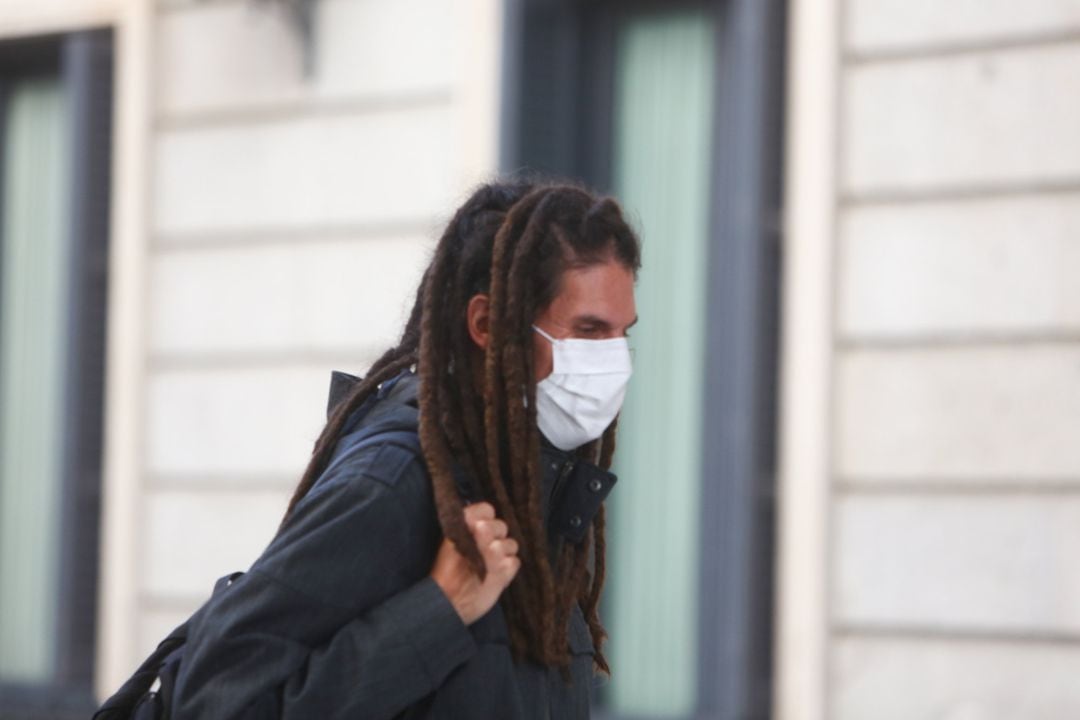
674,107
55,100
661,173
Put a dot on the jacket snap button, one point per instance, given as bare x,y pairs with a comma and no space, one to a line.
554,466
595,485
575,521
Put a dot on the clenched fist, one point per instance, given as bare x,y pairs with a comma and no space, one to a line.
470,596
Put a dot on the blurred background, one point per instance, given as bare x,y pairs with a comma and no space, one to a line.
850,459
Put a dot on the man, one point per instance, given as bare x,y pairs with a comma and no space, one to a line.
443,554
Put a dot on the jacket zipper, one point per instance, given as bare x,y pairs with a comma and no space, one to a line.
564,472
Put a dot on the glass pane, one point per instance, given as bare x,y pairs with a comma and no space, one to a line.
663,121
33,313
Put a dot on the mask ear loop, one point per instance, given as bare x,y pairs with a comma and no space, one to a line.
545,335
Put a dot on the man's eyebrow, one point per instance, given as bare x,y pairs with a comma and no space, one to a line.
599,321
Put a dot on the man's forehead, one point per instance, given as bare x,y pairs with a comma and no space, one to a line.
601,295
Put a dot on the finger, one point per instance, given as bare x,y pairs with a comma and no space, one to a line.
478,511
496,528
507,547
508,567
487,530
446,546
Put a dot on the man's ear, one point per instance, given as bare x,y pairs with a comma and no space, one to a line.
476,317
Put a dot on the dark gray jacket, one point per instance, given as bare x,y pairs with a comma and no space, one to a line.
339,618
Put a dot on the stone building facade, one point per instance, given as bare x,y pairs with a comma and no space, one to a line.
274,200
931,413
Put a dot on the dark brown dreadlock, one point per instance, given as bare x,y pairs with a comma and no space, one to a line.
512,241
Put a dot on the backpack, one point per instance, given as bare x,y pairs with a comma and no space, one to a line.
148,693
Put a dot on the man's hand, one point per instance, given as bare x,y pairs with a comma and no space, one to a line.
469,596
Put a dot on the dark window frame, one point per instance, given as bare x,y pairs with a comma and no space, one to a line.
84,63
557,119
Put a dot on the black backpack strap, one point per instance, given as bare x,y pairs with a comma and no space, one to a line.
131,699
122,703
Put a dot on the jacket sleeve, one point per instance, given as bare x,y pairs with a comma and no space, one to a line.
339,617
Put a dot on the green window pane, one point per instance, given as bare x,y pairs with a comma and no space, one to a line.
663,123
33,315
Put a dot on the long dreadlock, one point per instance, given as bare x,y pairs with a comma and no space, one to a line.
513,241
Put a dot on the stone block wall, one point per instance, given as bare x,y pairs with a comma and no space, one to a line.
954,515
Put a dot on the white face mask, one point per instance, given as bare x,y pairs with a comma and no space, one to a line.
583,393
